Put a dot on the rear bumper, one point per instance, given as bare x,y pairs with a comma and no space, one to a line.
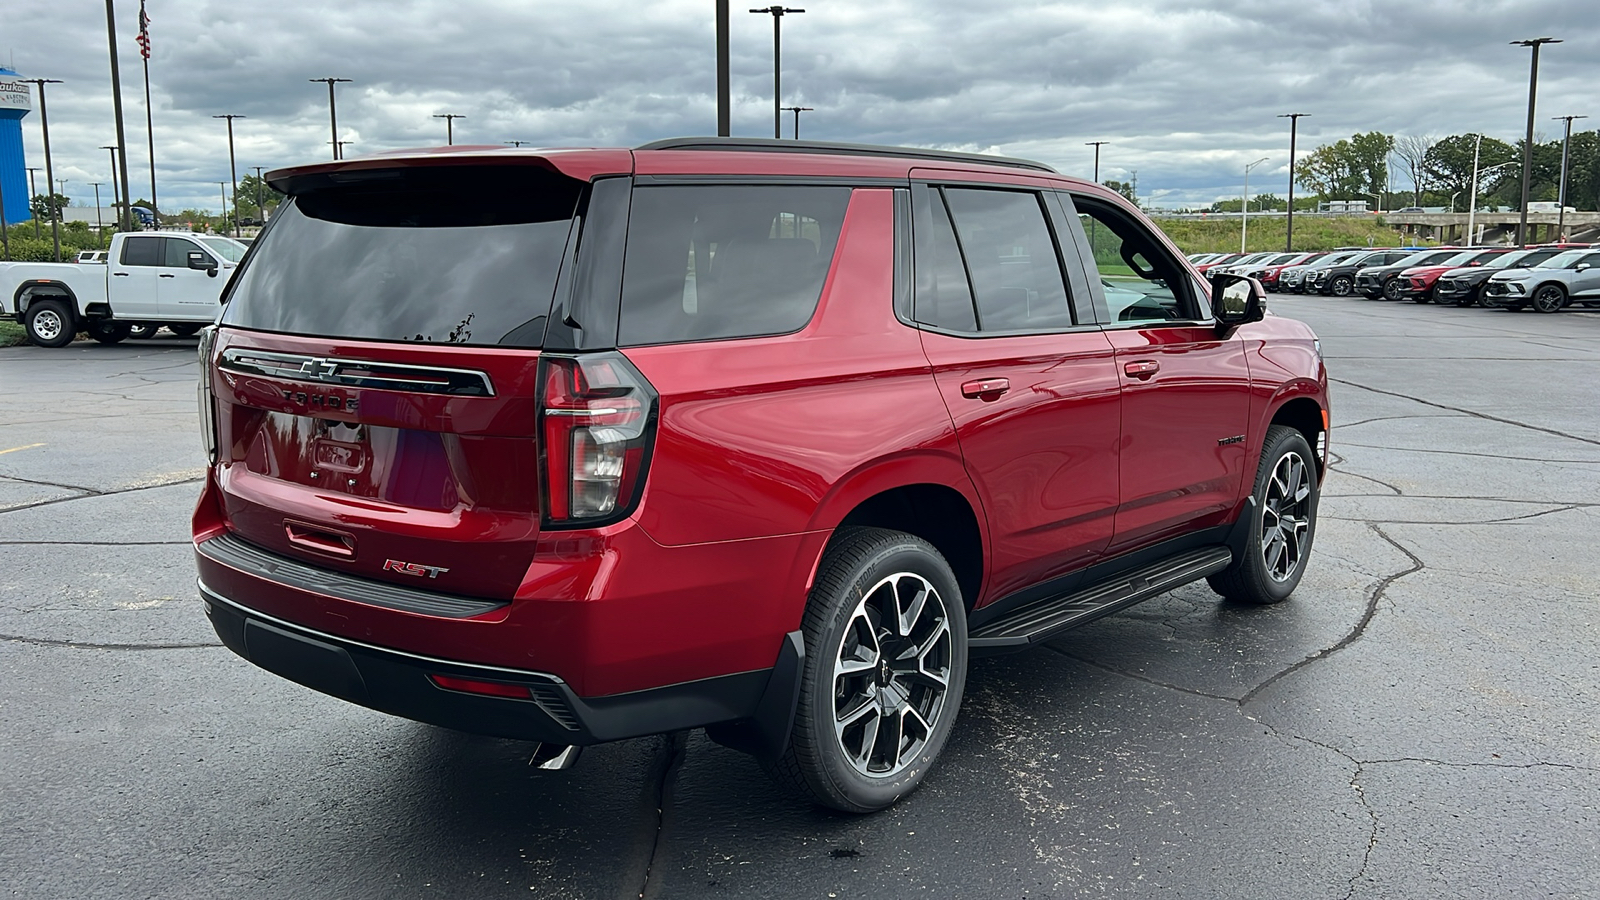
398,683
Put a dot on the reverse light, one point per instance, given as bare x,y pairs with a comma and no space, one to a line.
596,422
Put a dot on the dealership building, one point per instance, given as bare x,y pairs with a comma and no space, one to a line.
15,102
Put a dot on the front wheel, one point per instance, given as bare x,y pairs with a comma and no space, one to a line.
1391,289
886,663
49,323
1549,298
1342,286
1282,526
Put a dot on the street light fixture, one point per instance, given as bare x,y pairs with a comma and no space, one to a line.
1527,143
333,110
797,110
1244,204
1294,126
1472,211
233,170
777,13
1096,145
49,171
1566,144
449,126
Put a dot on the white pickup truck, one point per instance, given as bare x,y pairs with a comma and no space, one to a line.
148,279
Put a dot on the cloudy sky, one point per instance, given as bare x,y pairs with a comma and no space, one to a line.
1185,91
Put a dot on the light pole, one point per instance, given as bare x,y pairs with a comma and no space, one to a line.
338,148
1294,127
797,110
233,170
33,191
121,173
99,222
516,143
149,121
777,13
116,201
333,110
223,187
1566,144
49,172
1527,143
1096,145
1244,205
261,209
1472,215
724,99
449,126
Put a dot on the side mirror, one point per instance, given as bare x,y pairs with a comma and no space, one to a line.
198,260
1236,300
1582,266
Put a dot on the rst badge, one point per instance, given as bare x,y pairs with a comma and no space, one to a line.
405,568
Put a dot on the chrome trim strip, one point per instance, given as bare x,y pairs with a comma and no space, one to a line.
368,373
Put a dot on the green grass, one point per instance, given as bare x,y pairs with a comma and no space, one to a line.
11,333
1222,235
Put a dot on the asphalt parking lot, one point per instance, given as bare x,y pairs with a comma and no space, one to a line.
1419,720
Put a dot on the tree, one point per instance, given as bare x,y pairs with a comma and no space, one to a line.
1348,169
1413,152
50,207
1449,164
1129,189
249,185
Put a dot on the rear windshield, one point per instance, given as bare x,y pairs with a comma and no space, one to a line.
450,255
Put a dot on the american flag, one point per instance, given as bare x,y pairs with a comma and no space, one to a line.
144,32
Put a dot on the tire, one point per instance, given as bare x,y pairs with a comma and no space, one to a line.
1268,570
143,332
184,330
108,332
1342,286
1391,289
1549,298
1420,298
849,766
49,323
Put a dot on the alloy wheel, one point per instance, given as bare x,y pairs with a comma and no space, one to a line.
1549,298
1285,517
891,675
1391,289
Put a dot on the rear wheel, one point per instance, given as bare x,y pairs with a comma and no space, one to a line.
184,330
1549,298
49,323
886,662
108,332
144,332
1283,524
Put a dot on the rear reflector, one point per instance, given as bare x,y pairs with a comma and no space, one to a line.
488,688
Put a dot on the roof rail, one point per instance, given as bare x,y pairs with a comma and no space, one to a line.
770,145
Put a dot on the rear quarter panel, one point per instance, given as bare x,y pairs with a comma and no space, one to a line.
86,282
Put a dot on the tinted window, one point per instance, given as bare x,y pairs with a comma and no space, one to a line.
467,256
1142,282
141,251
1592,259
944,299
1011,260
178,250
717,261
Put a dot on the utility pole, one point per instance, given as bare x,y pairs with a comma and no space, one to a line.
724,101
99,222
333,111
116,201
33,191
233,170
5,228
261,209
1294,127
116,106
49,171
1244,207
1566,144
797,110
777,13
1096,145
449,126
1527,143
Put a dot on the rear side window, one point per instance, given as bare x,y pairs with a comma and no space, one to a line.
465,255
709,262
141,251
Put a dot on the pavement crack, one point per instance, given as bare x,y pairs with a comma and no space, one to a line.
1504,456
1501,521
142,487
1380,483
87,645
55,484
670,762
1343,425
1476,415
1372,837
1374,597
1541,764
1137,677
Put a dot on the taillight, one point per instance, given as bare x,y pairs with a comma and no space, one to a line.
208,402
596,421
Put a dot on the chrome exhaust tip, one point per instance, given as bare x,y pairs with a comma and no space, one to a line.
554,757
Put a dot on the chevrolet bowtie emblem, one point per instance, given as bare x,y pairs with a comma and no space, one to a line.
320,369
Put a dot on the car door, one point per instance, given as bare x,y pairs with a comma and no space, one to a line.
187,293
1586,284
1027,376
1185,389
132,286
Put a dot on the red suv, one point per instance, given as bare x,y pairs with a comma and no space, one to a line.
763,437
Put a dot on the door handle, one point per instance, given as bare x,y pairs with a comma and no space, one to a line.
120,274
1142,369
985,389
320,541
165,275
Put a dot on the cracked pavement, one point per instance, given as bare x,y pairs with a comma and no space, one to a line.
1418,720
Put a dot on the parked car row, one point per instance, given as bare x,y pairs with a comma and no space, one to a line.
1546,277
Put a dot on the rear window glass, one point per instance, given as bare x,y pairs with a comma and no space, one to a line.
707,262
141,251
465,256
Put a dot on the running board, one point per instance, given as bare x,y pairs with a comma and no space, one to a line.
1044,619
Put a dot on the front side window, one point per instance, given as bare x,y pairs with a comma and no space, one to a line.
177,254
1142,282
1011,260
724,261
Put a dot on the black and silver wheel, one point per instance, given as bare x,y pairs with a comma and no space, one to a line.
143,332
49,323
185,329
1342,286
886,661
1283,524
1391,289
108,332
1549,298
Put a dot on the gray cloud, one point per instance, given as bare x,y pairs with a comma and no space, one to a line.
1186,92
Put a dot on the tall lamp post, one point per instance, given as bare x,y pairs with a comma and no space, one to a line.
233,170
261,209
121,173
33,191
724,93
1244,206
223,187
449,126
116,196
1096,145
49,171
99,222
777,13
1527,143
333,110
797,110
1566,144
1294,127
